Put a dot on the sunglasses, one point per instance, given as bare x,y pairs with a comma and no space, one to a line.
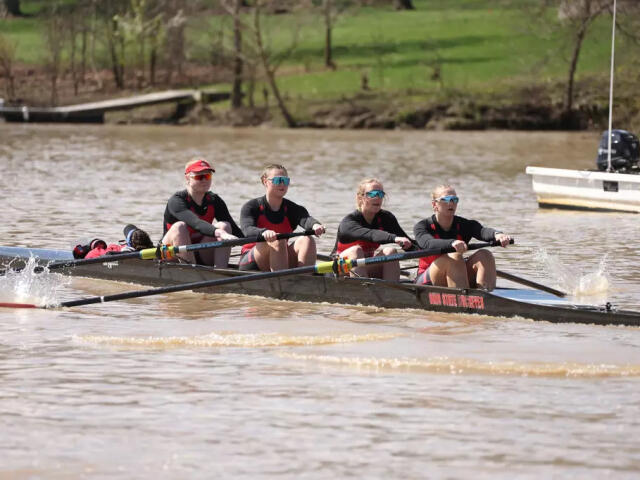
375,193
448,199
201,176
280,180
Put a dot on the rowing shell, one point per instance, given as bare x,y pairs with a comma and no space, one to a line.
502,302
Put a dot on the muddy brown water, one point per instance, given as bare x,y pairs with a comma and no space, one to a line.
194,386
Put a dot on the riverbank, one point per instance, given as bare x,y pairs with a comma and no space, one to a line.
514,107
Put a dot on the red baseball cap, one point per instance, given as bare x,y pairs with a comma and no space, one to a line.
198,165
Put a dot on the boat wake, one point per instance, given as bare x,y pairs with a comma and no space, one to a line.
590,287
27,286
468,366
233,340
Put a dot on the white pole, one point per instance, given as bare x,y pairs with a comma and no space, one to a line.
613,51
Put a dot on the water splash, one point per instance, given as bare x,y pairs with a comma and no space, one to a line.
468,366
592,286
234,340
27,286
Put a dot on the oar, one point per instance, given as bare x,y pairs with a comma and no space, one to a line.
165,251
337,266
529,283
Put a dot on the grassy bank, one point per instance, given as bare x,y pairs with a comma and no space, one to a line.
444,51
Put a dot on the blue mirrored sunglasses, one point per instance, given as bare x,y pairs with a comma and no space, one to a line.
448,199
279,180
375,193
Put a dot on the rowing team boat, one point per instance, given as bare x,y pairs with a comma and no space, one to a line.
502,302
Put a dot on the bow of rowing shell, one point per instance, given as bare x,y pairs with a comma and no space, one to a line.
344,290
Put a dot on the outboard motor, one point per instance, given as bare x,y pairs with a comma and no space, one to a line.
625,151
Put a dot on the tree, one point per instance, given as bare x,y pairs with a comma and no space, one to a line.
54,34
331,10
404,5
7,59
13,7
233,7
270,60
579,15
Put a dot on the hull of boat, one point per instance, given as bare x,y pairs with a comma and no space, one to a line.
585,190
344,290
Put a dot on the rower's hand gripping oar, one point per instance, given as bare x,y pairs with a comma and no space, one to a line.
166,251
337,266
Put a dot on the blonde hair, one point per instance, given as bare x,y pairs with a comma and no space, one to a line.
436,191
361,190
268,168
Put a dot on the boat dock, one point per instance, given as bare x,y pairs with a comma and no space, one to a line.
94,112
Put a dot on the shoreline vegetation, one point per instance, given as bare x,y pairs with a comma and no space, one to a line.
350,64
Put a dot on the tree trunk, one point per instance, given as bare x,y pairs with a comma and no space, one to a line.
328,30
13,7
328,50
269,71
404,5
236,92
580,34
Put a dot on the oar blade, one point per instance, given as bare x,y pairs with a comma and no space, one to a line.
17,305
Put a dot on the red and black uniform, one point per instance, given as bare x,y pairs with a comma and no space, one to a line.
429,234
256,217
355,230
199,218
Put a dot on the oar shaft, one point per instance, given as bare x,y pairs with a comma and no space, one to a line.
529,283
191,286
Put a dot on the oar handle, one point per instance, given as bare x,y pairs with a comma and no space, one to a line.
422,253
237,241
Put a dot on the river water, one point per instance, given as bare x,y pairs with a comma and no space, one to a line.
194,386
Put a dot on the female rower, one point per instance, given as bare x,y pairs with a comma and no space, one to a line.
197,215
445,229
361,233
273,214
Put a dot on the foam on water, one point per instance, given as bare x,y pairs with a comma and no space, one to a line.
587,286
468,366
27,286
233,340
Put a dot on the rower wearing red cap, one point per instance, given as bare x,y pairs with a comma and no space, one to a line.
197,215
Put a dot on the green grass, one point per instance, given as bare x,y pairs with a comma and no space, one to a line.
479,46
476,45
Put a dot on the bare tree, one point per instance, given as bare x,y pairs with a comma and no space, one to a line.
579,15
270,60
175,22
7,59
54,35
234,8
331,10
12,7
404,5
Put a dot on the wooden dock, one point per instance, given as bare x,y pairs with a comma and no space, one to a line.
94,112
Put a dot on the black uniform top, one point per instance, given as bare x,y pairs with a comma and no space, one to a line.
181,207
256,216
384,228
429,233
